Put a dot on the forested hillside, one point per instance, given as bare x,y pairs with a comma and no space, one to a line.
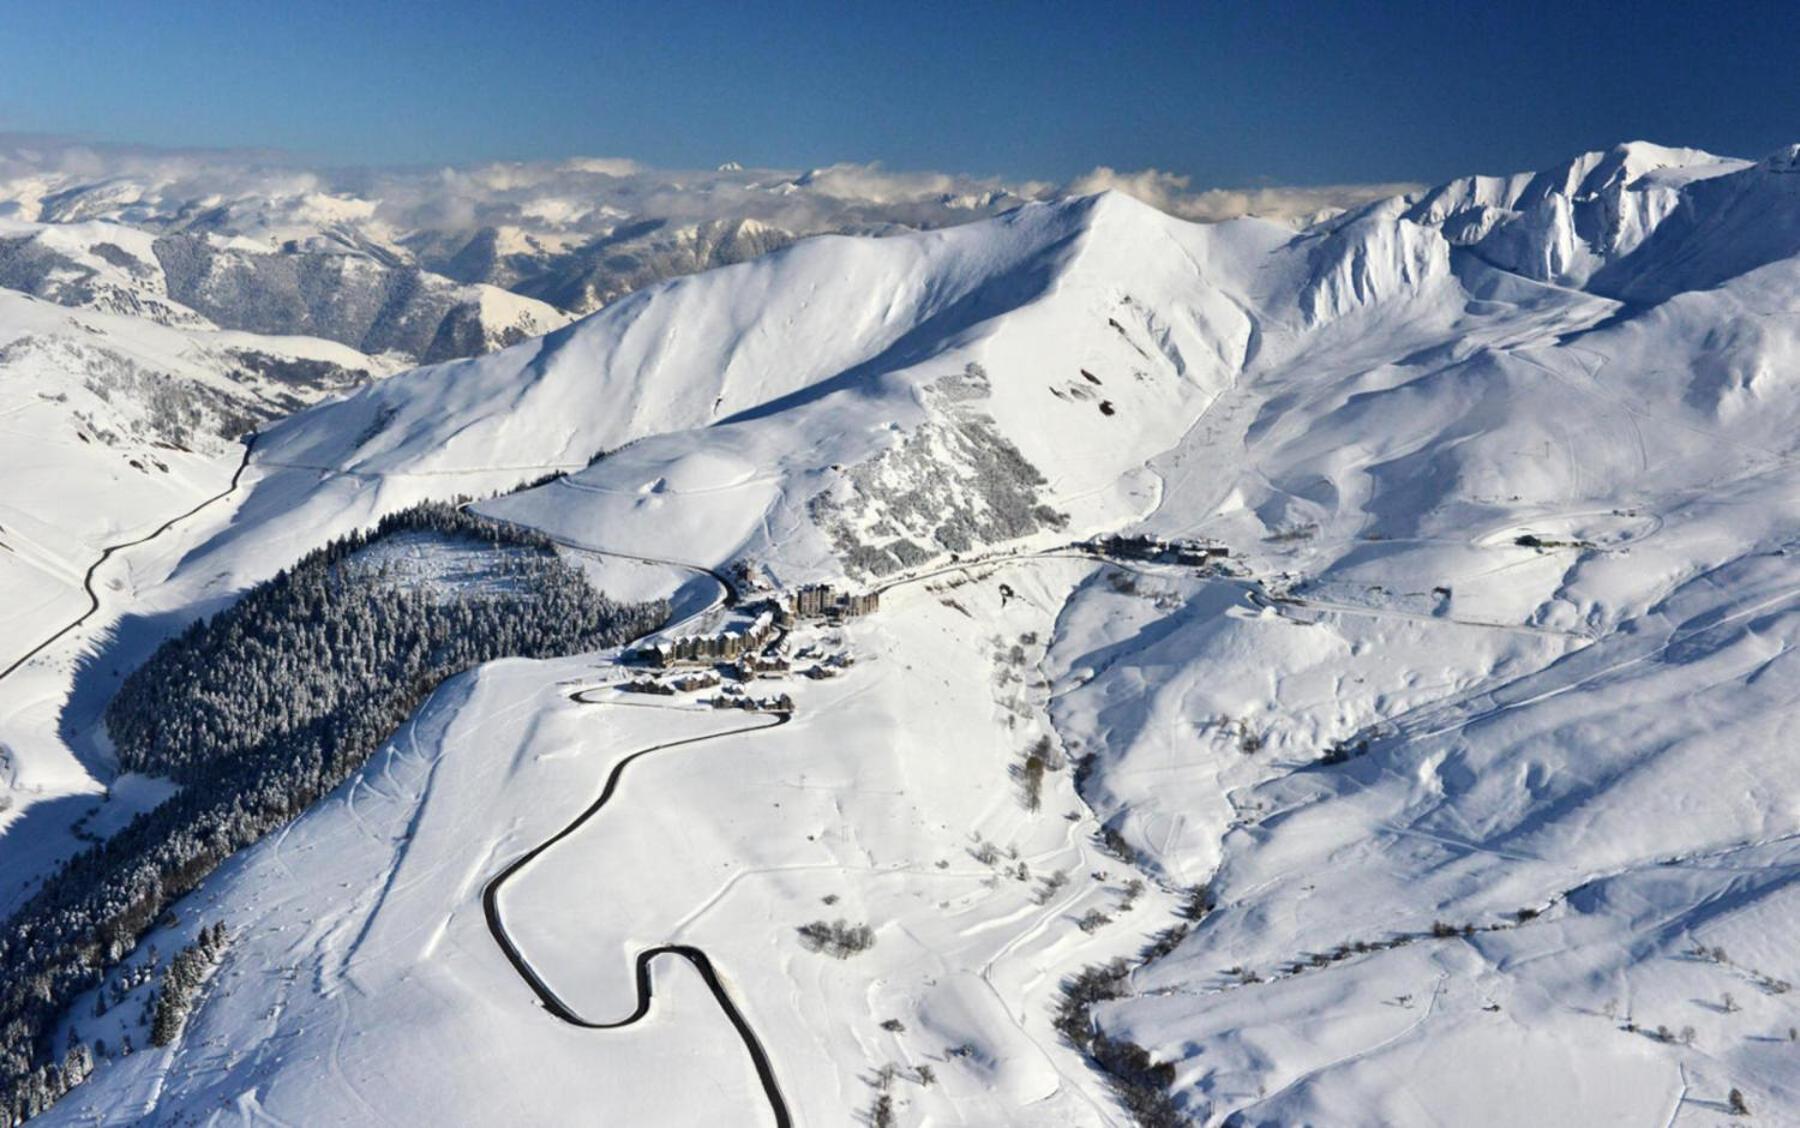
259,711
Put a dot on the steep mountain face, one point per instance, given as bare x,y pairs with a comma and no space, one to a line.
1723,228
98,266
1582,223
1472,751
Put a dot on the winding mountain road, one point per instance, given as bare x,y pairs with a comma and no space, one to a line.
494,911
491,897
106,554
552,1002
697,958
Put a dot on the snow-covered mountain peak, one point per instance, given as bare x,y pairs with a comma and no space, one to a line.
1100,325
1603,170
692,350
1473,747
1563,224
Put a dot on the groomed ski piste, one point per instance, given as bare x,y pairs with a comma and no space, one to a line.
1477,740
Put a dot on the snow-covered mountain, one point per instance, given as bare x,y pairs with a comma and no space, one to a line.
1459,793
583,276
372,303
261,245
149,355
113,422
574,234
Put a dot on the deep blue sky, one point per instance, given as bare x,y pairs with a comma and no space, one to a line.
1231,94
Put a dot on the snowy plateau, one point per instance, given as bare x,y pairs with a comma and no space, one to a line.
1335,675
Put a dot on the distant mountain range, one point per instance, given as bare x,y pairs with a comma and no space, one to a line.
1335,671
396,262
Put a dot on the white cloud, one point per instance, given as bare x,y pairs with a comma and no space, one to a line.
274,197
1173,193
604,166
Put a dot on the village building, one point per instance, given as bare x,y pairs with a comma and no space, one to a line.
756,665
648,685
778,703
722,646
821,601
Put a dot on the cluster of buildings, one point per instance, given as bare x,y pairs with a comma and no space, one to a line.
758,664
746,646
727,645
736,697
681,683
1156,550
822,601
825,665
743,642
648,685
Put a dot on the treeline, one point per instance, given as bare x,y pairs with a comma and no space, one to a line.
257,712
188,970
322,637
1140,1082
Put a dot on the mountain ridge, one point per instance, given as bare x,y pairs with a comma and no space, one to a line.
1470,748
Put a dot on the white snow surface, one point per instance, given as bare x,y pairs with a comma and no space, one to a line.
112,424
1565,814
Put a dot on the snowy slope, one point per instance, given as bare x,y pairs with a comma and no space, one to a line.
1478,741
575,234
951,329
112,427
113,424
102,266
375,303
